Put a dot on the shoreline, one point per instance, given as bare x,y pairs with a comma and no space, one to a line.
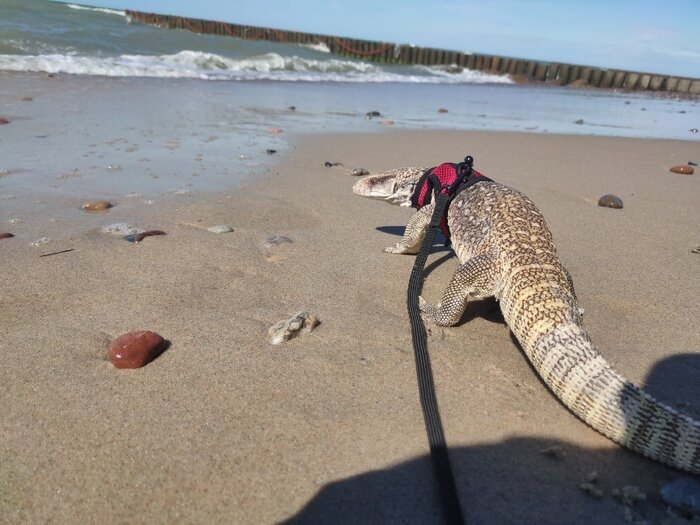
224,427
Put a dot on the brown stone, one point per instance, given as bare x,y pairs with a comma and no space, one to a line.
97,206
442,110
610,201
4,121
683,170
135,349
5,235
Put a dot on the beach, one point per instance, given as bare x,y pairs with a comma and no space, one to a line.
225,427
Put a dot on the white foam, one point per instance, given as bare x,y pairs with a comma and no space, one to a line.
98,9
210,66
321,47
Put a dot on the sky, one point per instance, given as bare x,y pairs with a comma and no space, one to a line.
639,35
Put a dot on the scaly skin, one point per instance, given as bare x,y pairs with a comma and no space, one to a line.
506,251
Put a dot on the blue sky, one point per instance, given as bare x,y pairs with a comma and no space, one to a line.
642,35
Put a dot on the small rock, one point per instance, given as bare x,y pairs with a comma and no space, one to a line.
6,235
579,121
629,495
692,163
221,228
555,451
275,131
4,121
694,130
302,322
276,240
592,476
371,114
329,164
135,349
442,110
695,250
683,170
292,108
113,167
590,489
96,206
683,494
360,171
40,241
610,201
121,229
26,99
138,237
271,151
387,122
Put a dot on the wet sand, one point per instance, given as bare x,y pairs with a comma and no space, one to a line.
226,428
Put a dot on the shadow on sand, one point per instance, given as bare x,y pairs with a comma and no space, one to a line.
515,482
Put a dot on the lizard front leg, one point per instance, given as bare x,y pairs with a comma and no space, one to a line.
415,232
476,277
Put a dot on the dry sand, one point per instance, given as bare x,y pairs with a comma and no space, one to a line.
327,428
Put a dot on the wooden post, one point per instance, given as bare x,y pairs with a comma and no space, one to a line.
657,83
694,88
541,72
632,80
683,85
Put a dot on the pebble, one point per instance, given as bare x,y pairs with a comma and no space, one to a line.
360,171
590,489
276,240
683,170
692,163
40,241
579,121
135,349
329,164
387,122
275,131
271,151
4,121
122,229
371,114
96,206
695,250
138,237
629,495
292,108
26,99
221,228
442,110
610,201
6,235
555,451
682,494
302,323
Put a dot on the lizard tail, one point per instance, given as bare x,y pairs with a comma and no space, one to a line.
584,381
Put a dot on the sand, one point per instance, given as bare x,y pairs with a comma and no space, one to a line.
226,428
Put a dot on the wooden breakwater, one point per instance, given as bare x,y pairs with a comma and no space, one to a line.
520,69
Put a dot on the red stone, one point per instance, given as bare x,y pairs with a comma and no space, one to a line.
683,170
135,349
5,235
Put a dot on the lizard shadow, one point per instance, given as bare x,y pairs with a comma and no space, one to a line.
517,480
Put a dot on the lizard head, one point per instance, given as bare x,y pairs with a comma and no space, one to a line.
393,186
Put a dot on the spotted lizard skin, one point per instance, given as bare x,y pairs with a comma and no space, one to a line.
506,251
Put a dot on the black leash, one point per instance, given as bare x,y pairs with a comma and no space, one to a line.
452,510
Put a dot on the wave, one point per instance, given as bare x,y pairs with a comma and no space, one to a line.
97,9
321,47
270,66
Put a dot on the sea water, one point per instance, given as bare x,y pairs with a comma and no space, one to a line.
102,106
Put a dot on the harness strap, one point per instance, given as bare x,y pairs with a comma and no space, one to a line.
452,511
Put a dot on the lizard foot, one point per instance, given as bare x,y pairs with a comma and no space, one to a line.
428,311
397,248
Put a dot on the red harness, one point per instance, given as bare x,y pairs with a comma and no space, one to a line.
448,179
